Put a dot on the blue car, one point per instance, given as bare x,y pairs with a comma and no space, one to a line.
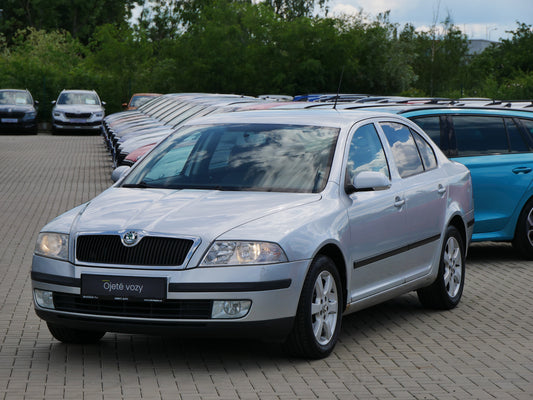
497,146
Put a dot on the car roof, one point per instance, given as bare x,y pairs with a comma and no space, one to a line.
322,117
77,91
422,109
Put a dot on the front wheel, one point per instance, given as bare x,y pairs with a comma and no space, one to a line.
446,291
523,238
77,336
318,318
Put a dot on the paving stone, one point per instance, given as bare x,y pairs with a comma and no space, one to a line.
483,349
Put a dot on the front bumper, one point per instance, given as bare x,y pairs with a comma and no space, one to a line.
273,290
67,126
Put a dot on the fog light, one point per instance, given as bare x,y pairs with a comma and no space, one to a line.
44,298
230,308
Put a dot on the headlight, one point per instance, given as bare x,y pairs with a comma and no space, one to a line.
53,245
243,253
58,114
29,116
98,115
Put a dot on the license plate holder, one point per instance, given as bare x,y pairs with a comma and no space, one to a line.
10,120
124,287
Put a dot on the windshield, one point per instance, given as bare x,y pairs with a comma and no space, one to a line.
12,97
259,157
78,98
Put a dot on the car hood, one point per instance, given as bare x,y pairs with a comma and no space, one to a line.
202,214
78,108
16,108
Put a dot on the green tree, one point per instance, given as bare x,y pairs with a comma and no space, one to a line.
79,17
44,63
442,55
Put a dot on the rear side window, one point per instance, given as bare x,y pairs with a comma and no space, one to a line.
426,152
403,148
528,125
479,135
516,140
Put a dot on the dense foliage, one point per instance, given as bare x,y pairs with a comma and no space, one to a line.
240,46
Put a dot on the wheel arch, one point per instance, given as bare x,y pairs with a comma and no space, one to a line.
459,224
334,252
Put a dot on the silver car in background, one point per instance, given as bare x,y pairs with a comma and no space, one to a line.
77,110
270,224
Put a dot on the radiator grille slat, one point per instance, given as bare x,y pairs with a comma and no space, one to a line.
150,251
170,309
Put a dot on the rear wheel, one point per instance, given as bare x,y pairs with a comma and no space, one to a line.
77,336
318,319
523,238
447,289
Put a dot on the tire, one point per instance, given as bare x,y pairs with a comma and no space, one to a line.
446,291
318,318
523,238
75,336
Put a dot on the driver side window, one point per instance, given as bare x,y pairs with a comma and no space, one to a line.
366,153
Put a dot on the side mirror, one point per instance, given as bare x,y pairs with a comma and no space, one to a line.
119,172
104,103
54,102
369,180
124,105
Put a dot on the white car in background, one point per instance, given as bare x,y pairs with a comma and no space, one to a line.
77,110
265,223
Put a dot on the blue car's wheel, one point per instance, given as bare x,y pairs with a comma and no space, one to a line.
523,238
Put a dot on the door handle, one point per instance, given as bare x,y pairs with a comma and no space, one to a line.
398,202
441,189
522,170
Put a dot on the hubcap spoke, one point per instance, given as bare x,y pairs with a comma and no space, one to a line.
529,227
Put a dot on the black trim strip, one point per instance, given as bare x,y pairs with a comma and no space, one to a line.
362,263
470,223
55,279
230,286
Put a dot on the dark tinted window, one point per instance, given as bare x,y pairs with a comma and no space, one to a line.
478,135
403,148
528,125
366,153
426,152
516,140
430,125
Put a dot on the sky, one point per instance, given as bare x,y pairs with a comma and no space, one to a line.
478,19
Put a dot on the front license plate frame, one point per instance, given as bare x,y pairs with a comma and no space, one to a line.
124,287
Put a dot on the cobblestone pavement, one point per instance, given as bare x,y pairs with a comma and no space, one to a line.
481,350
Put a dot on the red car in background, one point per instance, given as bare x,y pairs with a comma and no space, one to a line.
139,99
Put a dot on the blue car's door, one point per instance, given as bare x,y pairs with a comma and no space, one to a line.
497,156
500,183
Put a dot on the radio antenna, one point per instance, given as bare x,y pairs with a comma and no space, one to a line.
338,89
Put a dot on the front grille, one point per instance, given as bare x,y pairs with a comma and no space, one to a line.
77,115
169,309
150,251
88,124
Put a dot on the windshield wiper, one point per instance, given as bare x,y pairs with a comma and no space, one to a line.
141,185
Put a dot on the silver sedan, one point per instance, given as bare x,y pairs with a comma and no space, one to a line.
270,224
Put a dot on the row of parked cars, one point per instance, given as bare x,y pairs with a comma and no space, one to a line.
73,111
258,217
